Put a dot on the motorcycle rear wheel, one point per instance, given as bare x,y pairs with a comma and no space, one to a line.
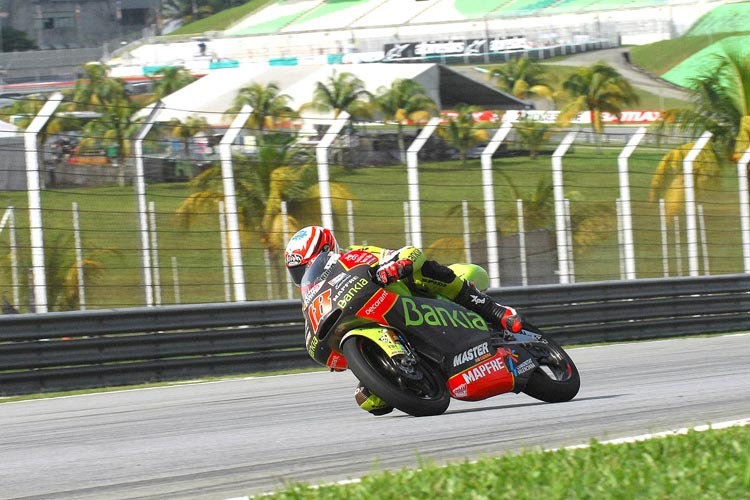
421,392
557,380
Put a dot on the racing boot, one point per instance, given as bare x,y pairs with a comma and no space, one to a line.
500,317
370,402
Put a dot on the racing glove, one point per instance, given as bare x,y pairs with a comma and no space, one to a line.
510,320
394,271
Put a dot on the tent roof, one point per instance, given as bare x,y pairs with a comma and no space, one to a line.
213,94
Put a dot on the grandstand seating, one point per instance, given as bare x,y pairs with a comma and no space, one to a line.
523,7
333,15
391,13
274,17
350,31
460,9
567,6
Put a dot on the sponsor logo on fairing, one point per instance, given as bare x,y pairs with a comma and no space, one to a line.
472,354
481,371
460,391
310,294
350,293
336,281
421,314
524,367
377,306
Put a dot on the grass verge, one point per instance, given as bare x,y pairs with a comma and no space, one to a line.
222,19
712,464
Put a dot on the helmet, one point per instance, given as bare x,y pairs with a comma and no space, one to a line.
304,246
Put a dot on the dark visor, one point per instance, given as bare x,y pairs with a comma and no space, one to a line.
296,272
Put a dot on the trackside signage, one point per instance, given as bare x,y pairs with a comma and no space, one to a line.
550,116
465,47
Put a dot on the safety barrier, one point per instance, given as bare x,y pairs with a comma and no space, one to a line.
84,349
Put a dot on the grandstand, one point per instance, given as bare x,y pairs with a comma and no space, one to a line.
352,31
273,18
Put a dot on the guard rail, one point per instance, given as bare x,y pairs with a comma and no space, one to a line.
83,349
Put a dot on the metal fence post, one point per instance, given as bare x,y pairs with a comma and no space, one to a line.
744,208
627,215
412,176
691,226
321,155
561,225
33,189
488,188
140,193
230,201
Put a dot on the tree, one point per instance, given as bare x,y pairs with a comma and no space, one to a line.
462,131
596,89
267,103
404,100
533,135
523,78
721,98
116,122
62,273
668,181
342,92
280,174
15,40
172,79
187,129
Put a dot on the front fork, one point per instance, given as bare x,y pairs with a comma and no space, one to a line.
391,343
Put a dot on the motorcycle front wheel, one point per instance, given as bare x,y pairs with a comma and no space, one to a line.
557,379
417,389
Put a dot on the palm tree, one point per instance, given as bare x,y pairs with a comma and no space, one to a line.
523,78
597,89
462,131
533,134
404,100
172,79
668,181
342,92
62,273
278,175
267,103
721,98
108,96
97,90
187,129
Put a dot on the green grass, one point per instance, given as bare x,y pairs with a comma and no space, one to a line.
699,465
221,20
658,58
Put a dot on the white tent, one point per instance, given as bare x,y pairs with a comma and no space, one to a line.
212,95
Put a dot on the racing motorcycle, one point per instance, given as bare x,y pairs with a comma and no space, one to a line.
416,353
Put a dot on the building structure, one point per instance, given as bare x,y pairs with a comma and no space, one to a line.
59,24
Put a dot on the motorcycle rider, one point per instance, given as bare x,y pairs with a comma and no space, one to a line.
409,265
